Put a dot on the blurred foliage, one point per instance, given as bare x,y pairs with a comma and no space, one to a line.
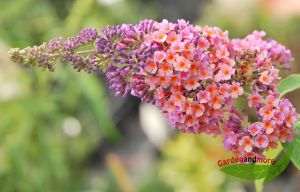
37,151
153,182
189,163
26,22
148,182
240,19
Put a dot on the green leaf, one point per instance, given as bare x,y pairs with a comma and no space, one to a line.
279,166
294,147
282,161
288,84
258,171
247,171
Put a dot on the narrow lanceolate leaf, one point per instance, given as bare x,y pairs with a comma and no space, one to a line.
247,171
294,147
288,84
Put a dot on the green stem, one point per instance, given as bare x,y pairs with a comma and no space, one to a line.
259,185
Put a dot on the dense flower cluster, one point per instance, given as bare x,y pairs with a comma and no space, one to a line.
257,61
193,74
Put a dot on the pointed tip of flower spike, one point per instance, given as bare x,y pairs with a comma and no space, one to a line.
15,54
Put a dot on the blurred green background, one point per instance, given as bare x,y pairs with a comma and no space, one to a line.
66,132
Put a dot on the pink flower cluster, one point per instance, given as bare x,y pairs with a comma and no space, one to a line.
196,73
276,117
193,74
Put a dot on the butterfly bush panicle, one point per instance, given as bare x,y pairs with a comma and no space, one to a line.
192,73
